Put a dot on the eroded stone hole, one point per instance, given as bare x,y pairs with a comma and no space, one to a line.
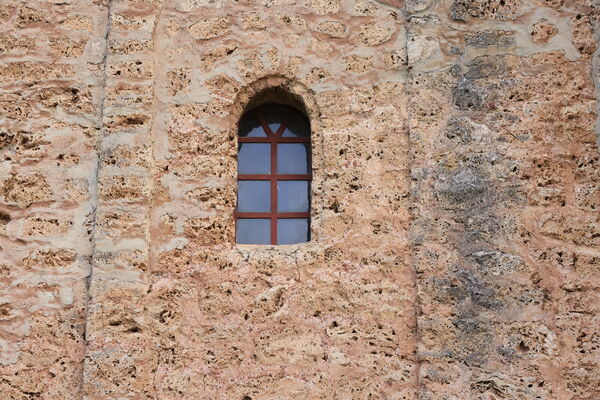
4,218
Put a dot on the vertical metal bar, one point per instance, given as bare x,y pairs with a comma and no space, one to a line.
274,190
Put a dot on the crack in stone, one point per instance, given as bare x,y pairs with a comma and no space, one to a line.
94,190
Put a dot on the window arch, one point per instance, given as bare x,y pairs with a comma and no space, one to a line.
274,176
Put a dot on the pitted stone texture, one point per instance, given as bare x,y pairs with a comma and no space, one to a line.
373,34
333,28
454,250
50,93
210,28
324,6
506,191
490,38
543,31
494,9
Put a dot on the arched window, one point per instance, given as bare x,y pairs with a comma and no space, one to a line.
274,175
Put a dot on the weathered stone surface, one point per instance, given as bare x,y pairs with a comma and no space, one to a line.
210,28
485,9
455,244
490,38
543,31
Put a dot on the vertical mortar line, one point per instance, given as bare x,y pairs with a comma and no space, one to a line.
94,190
151,141
595,70
152,138
152,163
412,203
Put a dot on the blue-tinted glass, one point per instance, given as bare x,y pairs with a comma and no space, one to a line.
251,127
290,231
298,126
253,231
293,158
274,126
254,196
292,196
254,158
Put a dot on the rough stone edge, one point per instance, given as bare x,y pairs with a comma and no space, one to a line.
595,67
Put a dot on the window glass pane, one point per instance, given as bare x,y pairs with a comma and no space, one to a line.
290,231
298,126
253,231
251,127
254,158
254,196
293,158
274,126
293,196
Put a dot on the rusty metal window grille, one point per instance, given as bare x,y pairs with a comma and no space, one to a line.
274,176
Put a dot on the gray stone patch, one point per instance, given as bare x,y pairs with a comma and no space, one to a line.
455,50
460,129
468,322
503,386
468,97
462,185
496,262
428,19
413,6
459,10
486,67
462,10
480,294
490,38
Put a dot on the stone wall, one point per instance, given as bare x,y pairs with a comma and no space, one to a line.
51,91
178,310
506,230
455,223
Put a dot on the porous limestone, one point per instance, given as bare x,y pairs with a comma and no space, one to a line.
455,248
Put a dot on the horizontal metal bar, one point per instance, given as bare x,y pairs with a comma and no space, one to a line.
266,177
277,139
266,215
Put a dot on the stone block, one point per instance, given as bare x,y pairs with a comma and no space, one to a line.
210,28
374,34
